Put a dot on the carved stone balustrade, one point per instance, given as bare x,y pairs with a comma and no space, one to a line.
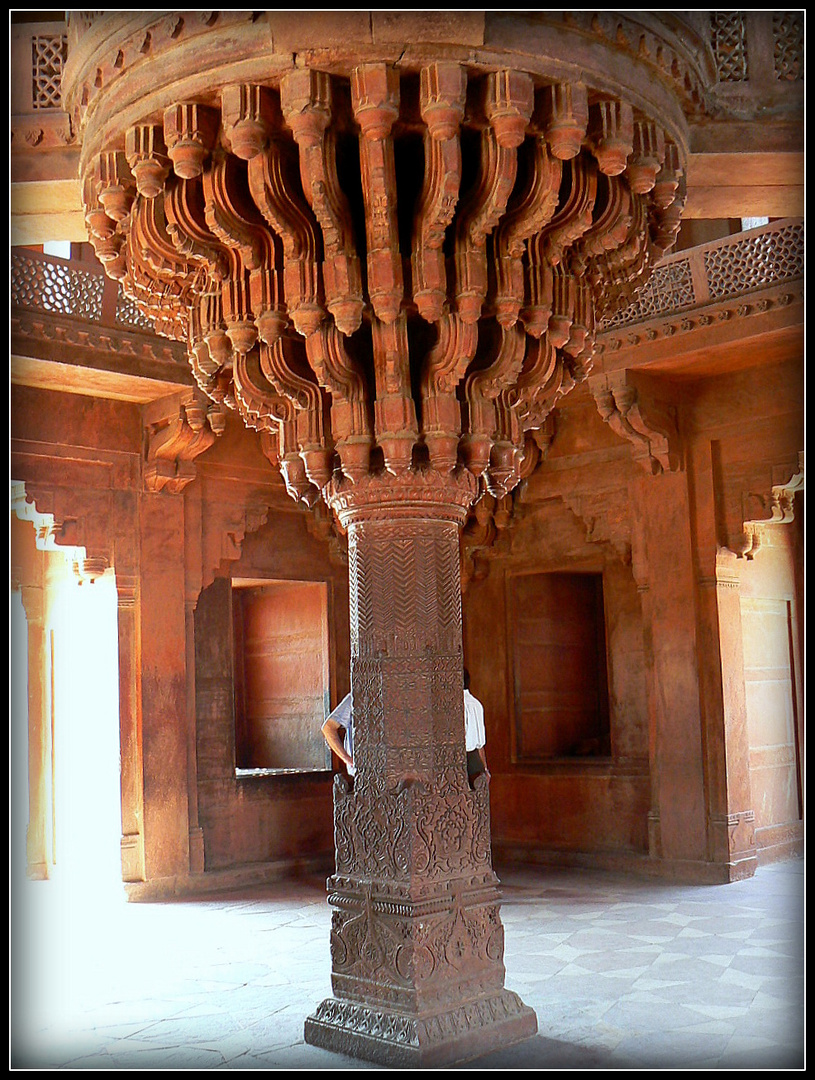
701,297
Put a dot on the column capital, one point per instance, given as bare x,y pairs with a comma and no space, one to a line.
418,493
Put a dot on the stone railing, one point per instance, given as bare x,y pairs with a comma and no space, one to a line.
47,283
739,264
745,43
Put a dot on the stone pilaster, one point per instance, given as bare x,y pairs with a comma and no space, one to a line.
417,939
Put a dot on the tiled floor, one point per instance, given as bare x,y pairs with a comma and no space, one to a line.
622,973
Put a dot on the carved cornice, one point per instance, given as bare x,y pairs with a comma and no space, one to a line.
686,330
704,290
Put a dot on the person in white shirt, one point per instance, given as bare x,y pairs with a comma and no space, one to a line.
338,732
475,736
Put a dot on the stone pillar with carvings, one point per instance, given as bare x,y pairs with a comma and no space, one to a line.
416,940
390,263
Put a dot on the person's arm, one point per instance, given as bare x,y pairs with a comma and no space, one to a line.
331,733
482,753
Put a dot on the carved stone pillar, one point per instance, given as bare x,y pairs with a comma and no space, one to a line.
386,255
417,940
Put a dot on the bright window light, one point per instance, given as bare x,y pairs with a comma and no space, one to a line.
60,248
753,222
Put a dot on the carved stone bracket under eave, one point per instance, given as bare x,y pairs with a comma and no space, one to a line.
606,515
225,527
177,430
635,416
781,505
56,531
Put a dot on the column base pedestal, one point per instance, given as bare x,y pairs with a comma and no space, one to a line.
425,1040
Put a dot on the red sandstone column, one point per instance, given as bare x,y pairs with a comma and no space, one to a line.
417,940
664,568
163,651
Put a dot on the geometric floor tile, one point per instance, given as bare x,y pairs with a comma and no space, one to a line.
623,973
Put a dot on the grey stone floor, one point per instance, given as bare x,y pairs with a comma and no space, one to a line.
623,973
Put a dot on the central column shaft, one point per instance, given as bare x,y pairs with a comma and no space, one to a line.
417,940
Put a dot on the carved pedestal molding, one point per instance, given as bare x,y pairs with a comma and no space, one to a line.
392,268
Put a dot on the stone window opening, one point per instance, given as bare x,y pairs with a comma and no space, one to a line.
281,676
560,673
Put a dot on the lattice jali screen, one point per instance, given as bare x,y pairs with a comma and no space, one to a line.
788,39
729,41
129,315
670,288
55,286
48,53
755,262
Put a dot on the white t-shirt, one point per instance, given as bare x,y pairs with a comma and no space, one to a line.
344,715
475,735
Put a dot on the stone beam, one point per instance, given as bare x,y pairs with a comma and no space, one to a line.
46,209
751,184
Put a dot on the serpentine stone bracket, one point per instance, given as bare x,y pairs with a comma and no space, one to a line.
632,414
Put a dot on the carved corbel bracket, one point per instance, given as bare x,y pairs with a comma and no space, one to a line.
176,432
606,516
37,508
225,528
80,525
633,415
781,504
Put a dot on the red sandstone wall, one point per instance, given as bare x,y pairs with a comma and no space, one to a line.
586,804
257,819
